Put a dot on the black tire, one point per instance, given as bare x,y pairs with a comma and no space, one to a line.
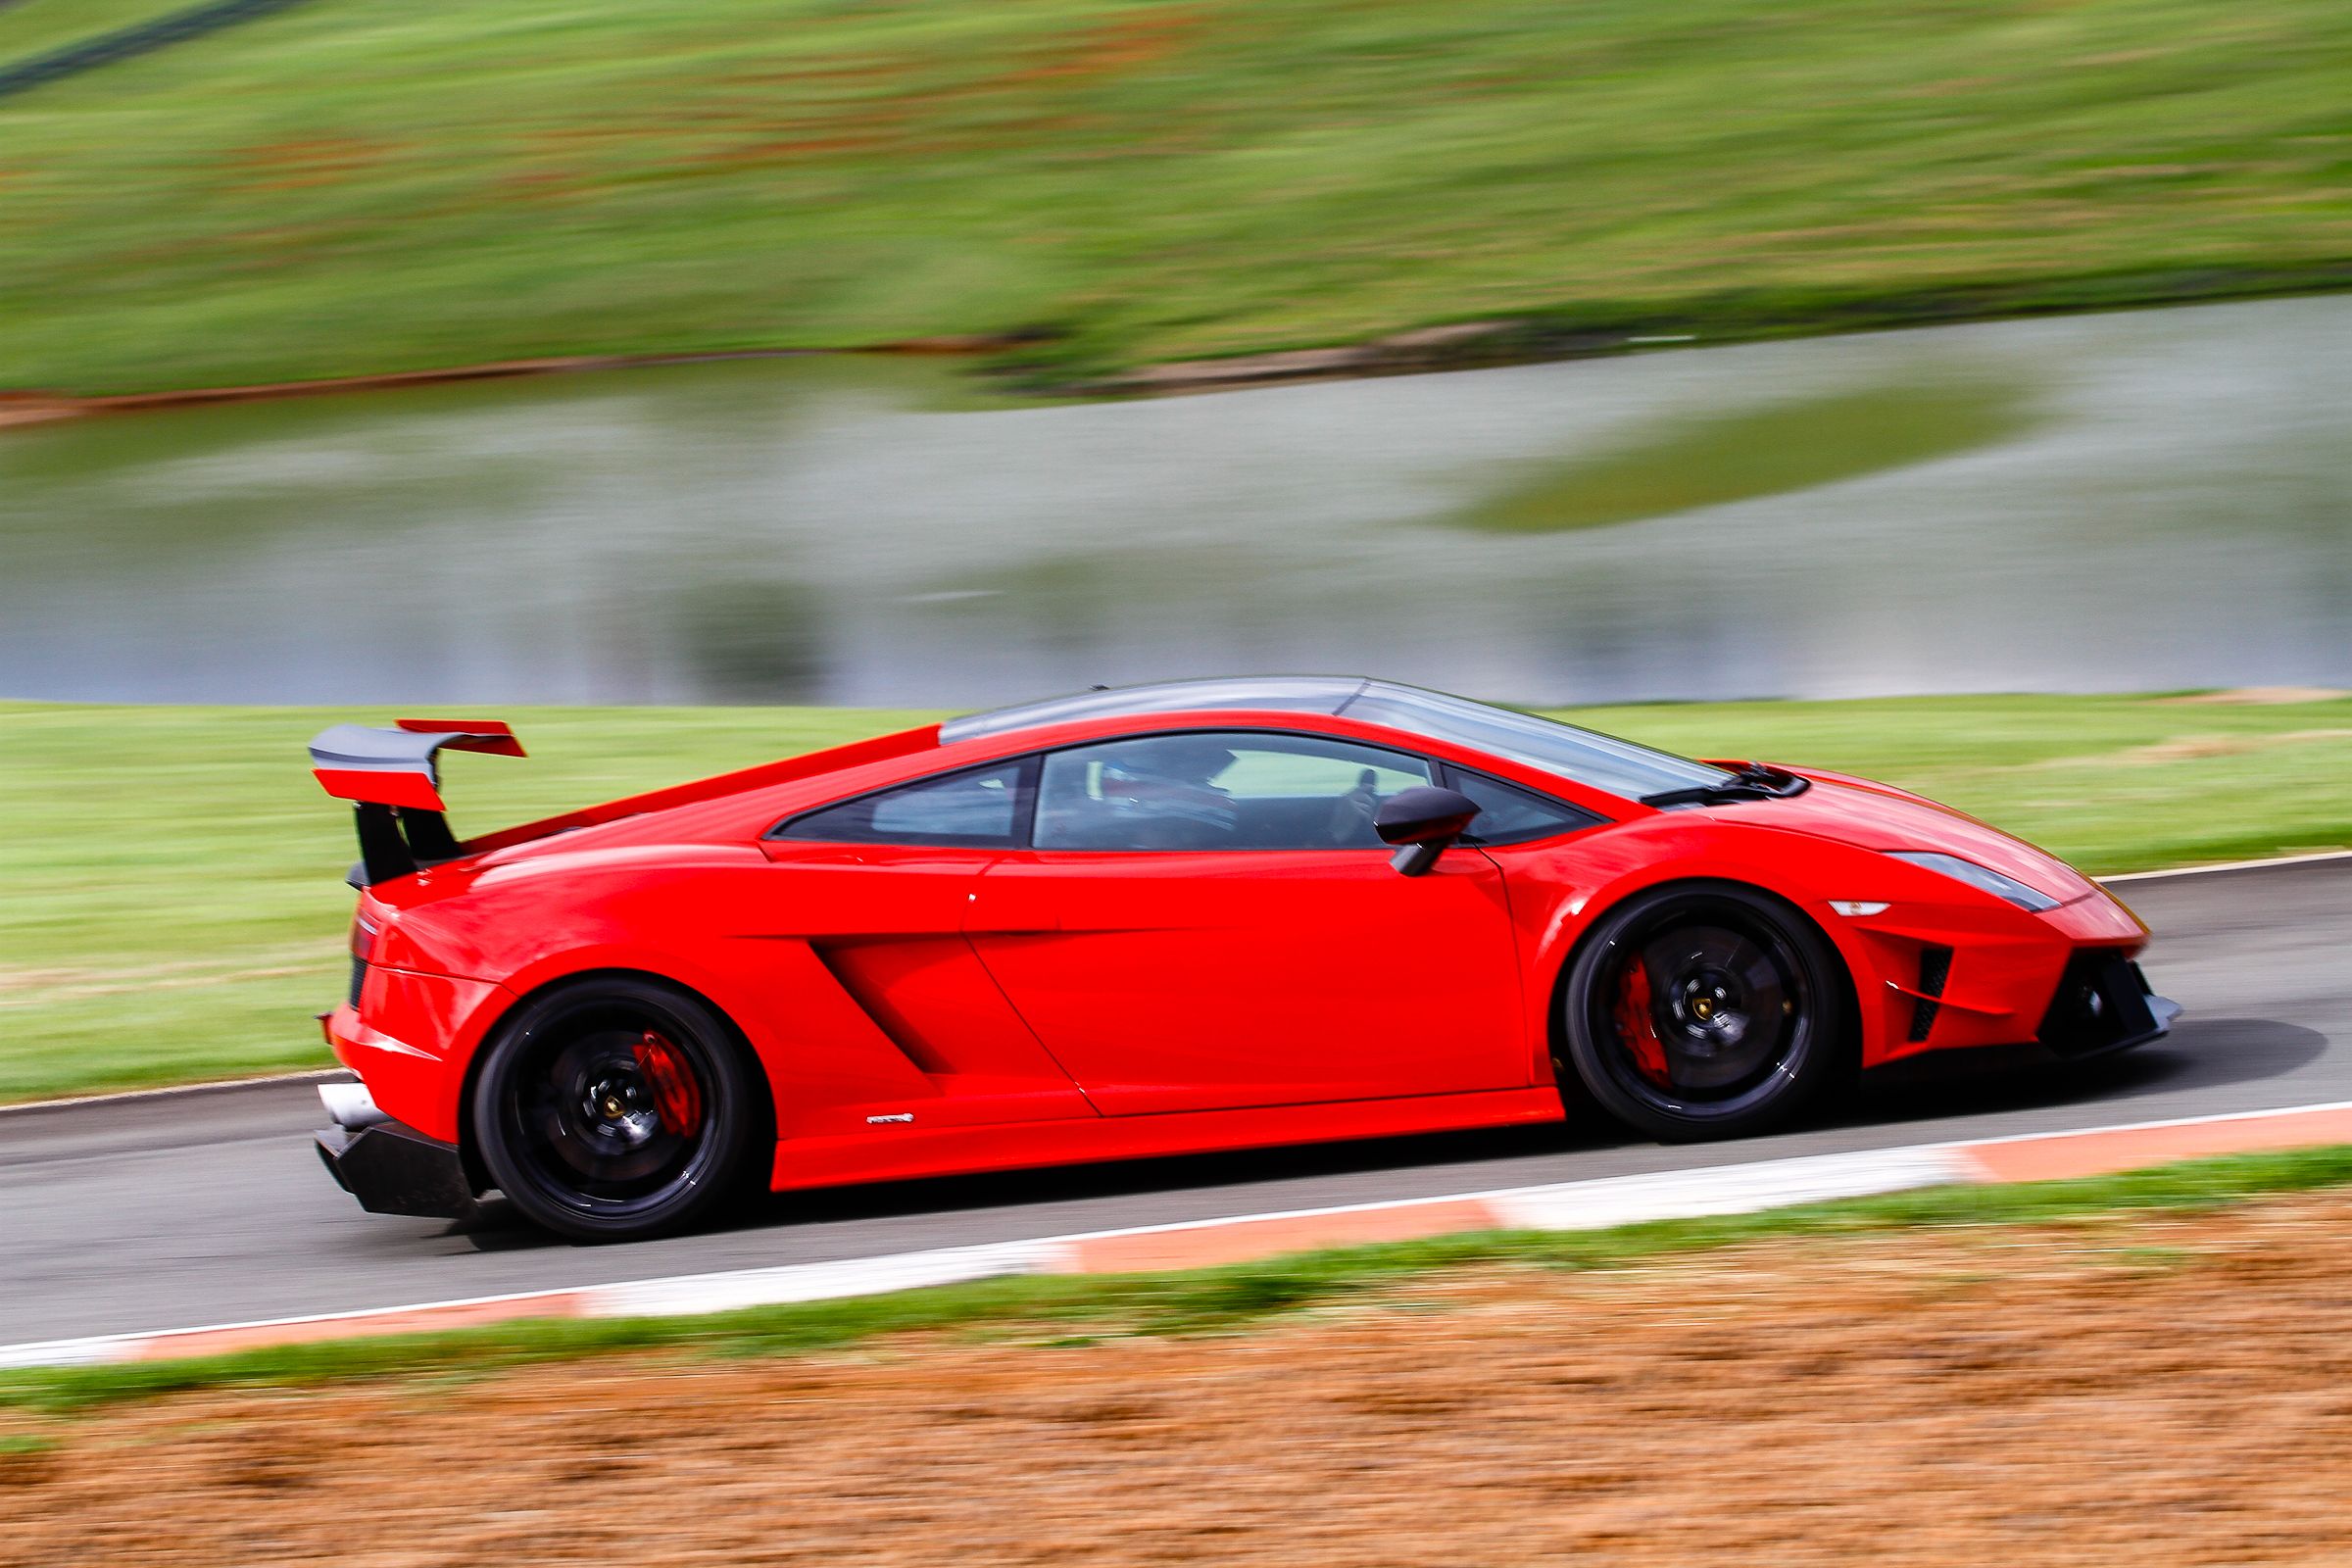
615,1108
1744,1001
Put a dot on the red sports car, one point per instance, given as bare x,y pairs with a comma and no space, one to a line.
1165,920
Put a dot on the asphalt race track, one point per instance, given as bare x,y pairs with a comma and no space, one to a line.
209,1208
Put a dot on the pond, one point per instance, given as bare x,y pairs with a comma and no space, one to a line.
2136,500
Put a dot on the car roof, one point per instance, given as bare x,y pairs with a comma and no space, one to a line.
1587,757
1288,694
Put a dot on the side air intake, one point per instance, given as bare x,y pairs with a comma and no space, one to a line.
1935,972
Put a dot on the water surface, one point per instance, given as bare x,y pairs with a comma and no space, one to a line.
2125,502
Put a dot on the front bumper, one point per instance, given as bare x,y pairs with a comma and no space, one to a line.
1968,975
2103,1005
389,1167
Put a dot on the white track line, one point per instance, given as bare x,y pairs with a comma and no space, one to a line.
212,1086
1709,1190
2151,1126
93,1348
692,1295
2230,865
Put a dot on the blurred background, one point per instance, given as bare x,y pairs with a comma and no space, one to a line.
1050,207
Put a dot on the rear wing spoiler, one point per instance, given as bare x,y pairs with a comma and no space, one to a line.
393,779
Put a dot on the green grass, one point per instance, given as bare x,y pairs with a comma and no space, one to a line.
373,186
171,905
1767,451
1054,1309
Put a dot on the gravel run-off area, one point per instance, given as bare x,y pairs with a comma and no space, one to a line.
2159,1390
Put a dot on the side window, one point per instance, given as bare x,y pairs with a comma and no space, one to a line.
1509,815
1226,790
980,807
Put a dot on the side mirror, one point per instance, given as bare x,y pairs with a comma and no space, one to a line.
1422,822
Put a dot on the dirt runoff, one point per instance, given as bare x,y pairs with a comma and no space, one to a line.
2174,1389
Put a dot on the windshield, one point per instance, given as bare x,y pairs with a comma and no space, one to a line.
1580,756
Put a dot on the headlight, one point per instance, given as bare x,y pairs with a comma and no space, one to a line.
1982,877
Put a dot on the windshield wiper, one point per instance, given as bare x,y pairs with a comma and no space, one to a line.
1749,781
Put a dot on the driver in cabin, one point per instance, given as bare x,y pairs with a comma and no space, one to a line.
1165,788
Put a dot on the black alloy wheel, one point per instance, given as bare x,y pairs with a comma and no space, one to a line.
615,1108
1705,1011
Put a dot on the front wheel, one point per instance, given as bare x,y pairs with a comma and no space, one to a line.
1707,1011
613,1108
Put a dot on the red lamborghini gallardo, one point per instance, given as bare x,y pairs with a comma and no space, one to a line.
1165,920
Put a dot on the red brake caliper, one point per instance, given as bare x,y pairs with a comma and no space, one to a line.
1636,1028
675,1094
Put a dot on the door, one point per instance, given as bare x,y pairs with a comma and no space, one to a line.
894,1020
1208,919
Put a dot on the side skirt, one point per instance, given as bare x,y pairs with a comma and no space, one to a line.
901,1151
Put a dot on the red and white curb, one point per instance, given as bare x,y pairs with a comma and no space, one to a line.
1561,1206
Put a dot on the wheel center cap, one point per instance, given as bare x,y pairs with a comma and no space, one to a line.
1711,1009
615,1101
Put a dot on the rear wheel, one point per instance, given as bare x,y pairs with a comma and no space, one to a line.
615,1109
1705,1010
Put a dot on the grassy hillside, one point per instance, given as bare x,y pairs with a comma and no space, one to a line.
366,185
171,905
